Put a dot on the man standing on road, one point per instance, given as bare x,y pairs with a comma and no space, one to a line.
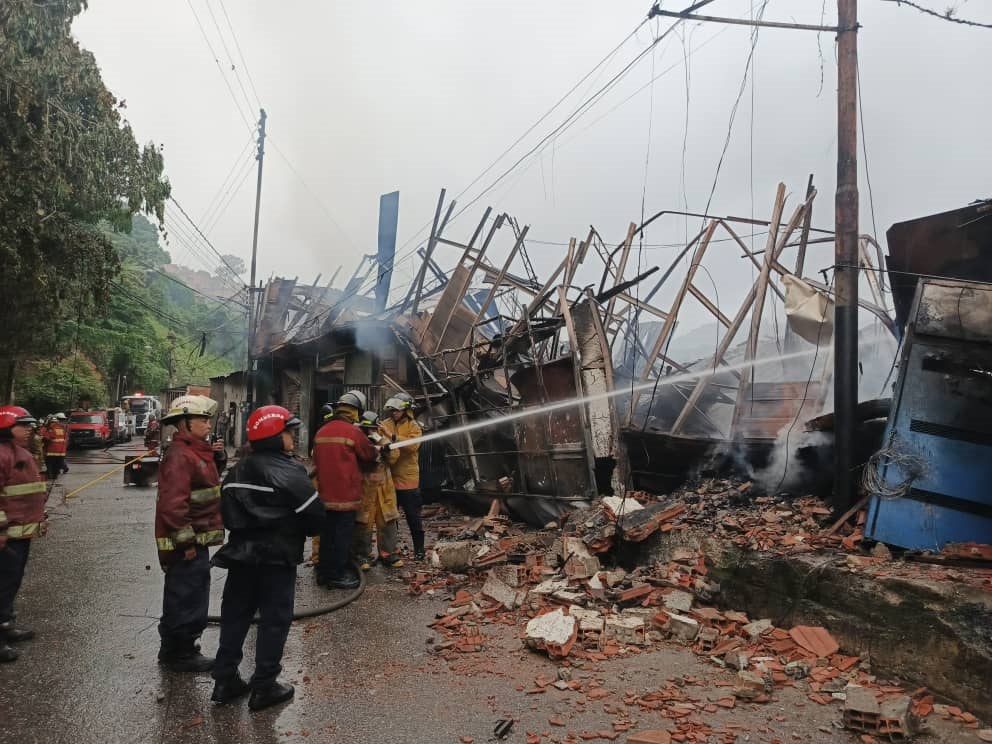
187,522
401,425
269,506
56,438
22,517
341,451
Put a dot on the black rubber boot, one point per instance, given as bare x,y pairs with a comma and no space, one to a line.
418,545
229,690
346,581
7,653
184,657
10,634
269,695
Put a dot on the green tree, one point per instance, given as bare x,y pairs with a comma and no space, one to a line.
46,387
68,162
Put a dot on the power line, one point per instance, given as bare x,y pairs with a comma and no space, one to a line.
947,15
220,69
195,249
205,238
230,58
230,196
170,277
238,161
244,64
537,123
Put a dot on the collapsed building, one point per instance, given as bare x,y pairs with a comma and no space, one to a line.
557,390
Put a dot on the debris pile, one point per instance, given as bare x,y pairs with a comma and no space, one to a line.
557,588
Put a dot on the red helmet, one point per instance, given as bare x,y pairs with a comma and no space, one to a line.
268,421
12,415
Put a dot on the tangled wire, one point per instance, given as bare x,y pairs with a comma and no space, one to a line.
874,481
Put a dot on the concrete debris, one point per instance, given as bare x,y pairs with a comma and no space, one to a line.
678,601
497,589
553,632
455,556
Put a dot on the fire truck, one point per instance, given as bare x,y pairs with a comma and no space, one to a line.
139,406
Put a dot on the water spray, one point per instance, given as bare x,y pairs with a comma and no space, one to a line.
573,402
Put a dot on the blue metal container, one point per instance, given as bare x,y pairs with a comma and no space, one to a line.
935,469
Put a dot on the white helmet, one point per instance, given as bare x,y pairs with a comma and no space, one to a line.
190,405
353,398
60,416
399,402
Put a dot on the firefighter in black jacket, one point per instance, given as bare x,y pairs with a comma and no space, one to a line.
269,506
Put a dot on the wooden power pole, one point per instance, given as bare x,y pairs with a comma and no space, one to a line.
250,376
846,263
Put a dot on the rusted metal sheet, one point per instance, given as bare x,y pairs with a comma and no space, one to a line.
955,245
767,408
552,450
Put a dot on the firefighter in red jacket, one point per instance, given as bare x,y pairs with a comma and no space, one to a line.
22,517
341,451
187,522
56,438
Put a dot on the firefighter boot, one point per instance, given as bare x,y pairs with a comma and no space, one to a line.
184,656
271,694
7,653
230,689
418,545
10,634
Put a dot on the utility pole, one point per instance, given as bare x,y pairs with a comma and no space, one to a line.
250,377
846,263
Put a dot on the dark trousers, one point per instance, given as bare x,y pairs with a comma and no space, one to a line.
410,502
335,544
270,591
185,600
54,466
13,560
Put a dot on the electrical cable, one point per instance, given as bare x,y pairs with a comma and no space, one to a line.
241,56
220,69
224,186
737,101
531,128
205,238
232,194
230,57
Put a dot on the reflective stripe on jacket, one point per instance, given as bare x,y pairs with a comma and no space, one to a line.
22,493
187,511
340,452
56,440
406,469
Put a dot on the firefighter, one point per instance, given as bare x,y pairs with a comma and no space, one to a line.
22,517
36,446
187,522
378,503
269,506
341,451
56,436
401,425
153,433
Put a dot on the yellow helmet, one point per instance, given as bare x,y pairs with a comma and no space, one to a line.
190,405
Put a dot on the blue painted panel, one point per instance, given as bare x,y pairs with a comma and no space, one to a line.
942,419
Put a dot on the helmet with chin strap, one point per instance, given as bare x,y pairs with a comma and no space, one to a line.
268,421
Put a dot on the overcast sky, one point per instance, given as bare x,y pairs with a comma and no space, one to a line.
365,98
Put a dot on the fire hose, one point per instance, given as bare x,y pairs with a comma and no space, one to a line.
298,615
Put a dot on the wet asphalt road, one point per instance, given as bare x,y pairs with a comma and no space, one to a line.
93,594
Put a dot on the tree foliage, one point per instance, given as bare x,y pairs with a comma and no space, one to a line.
49,386
69,162
231,263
